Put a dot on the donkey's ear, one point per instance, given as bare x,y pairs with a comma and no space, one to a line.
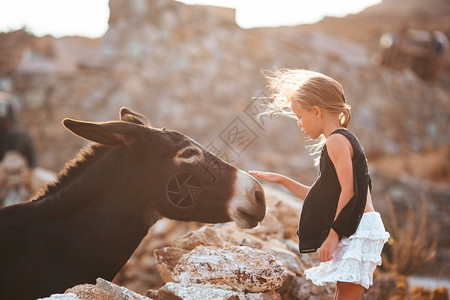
128,115
114,133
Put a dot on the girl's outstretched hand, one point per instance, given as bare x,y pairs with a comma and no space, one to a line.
291,185
269,176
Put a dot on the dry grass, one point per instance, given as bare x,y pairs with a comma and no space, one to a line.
410,248
420,293
409,244
396,287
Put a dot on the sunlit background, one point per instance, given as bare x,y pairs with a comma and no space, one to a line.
90,18
189,67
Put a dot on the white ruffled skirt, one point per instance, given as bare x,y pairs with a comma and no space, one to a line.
356,257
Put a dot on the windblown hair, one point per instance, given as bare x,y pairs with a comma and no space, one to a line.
309,89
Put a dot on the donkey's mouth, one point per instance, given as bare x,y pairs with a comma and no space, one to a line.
247,207
245,220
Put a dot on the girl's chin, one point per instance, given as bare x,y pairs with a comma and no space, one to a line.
308,135
311,137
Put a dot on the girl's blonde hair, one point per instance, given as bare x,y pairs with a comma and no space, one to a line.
309,89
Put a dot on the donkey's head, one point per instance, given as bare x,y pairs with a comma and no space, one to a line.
185,181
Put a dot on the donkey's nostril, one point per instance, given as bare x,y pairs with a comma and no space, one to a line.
259,198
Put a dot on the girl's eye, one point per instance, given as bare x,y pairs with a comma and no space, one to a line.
189,152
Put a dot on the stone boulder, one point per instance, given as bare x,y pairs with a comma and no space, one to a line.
245,266
210,272
205,236
238,268
167,260
102,290
177,291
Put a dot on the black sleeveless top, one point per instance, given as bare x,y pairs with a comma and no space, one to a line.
319,207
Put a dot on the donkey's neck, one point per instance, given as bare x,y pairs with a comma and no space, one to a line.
97,174
100,200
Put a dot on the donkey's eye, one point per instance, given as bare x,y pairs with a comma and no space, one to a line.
189,152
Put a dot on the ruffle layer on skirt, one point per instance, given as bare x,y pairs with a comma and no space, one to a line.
356,257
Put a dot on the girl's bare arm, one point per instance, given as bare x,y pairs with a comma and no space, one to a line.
340,152
291,185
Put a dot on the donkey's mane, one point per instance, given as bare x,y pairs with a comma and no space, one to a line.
72,169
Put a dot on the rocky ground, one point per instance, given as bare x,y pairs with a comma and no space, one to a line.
225,262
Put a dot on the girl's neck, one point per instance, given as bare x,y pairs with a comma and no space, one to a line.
330,123
330,127
327,132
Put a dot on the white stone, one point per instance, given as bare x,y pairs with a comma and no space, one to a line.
200,291
238,268
104,290
69,296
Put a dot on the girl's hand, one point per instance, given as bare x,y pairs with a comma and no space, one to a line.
328,246
291,185
269,176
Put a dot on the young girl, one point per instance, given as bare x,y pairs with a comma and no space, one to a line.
337,217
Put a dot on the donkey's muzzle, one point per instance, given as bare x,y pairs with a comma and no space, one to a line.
248,206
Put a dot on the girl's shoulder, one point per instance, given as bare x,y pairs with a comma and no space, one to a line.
337,137
336,143
343,131
346,133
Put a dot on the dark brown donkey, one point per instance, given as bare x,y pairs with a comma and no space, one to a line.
88,223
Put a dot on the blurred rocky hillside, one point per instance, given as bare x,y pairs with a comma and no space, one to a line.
389,15
191,68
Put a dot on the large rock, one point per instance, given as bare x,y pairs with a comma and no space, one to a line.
205,236
167,259
68,296
237,268
203,265
102,290
178,291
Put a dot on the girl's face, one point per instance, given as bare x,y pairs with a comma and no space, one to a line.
307,120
